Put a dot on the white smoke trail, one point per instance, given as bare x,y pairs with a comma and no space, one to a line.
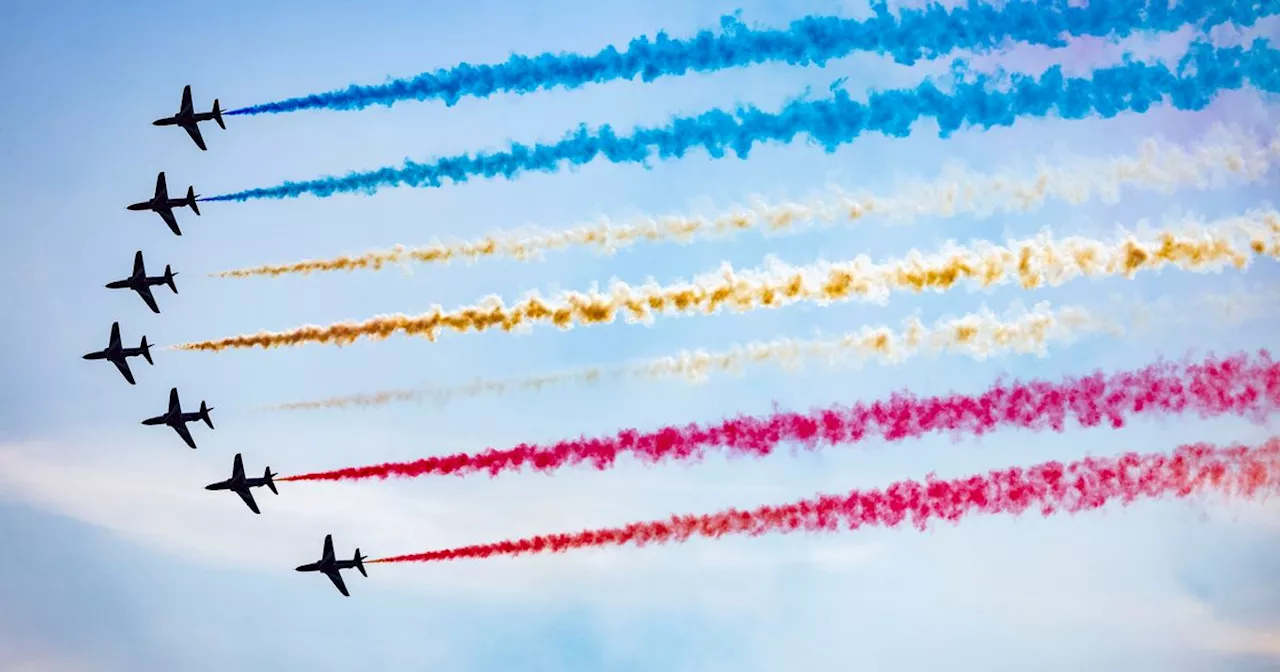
978,335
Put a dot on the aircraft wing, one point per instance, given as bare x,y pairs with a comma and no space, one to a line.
248,499
145,293
167,215
162,188
237,467
337,581
328,547
138,268
181,429
193,130
175,405
122,364
115,334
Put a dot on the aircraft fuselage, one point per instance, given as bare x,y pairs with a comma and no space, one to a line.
181,119
237,484
172,419
166,419
158,204
137,281
112,353
326,566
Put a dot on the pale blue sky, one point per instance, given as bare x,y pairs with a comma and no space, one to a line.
116,558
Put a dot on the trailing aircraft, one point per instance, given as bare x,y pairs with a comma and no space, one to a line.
117,354
240,485
178,420
140,283
331,566
163,205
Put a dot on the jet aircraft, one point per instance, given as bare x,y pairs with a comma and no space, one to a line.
140,283
189,119
240,485
117,354
163,205
178,420
330,566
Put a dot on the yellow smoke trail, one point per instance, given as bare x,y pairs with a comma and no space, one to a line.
979,335
1032,263
1224,153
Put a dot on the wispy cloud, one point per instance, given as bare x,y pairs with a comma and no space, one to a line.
20,655
155,501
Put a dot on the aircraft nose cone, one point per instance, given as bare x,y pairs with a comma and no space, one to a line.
156,122
209,487
299,568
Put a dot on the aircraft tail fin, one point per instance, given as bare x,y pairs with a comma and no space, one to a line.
168,278
191,200
146,351
217,114
270,479
204,414
359,560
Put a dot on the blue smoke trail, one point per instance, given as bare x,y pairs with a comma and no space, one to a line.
1134,86
914,34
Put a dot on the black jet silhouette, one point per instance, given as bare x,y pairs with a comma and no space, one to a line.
189,119
331,567
163,205
178,420
117,354
240,485
140,283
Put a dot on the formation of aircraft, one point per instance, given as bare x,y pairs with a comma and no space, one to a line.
331,567
176,418
118,354
189,119
115,352
240,485
142,284
162,205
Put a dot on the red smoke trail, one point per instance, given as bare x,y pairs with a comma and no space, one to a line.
1240,384
1051,487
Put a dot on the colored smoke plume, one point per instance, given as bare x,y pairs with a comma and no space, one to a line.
979,335
912,34
1132,86
1242,384
1224,154
1033,263
1049,488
